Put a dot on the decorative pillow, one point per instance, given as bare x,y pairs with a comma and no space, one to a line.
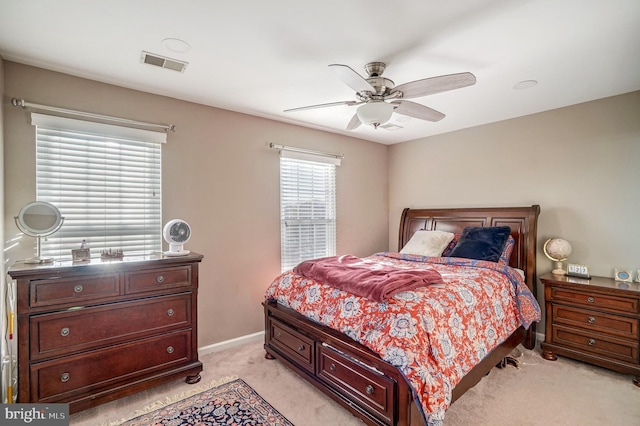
505,257
447,251
427,243
482,243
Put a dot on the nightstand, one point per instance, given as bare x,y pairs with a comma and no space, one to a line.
594,321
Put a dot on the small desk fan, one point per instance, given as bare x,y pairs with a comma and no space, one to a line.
176,232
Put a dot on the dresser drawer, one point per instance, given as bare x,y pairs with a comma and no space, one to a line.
293,345
596,343
62,333
373,391
62,378
157,279
73,291
595,300
596,321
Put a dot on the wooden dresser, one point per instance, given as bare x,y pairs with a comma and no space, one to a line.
95,331
595,321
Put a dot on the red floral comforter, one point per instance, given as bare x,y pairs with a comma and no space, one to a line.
435,334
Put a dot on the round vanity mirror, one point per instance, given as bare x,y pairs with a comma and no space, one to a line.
39,219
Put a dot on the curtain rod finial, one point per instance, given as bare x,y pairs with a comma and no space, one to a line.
17,102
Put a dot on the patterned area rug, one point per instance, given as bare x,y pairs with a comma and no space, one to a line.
232,403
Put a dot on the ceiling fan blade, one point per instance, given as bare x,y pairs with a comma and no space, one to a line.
330,104
352,78
354,123
429,86
415,110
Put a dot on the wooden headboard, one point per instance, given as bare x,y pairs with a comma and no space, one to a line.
523,222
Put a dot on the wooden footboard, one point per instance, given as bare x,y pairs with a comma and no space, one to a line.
346,371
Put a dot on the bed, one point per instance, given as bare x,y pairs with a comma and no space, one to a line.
376,390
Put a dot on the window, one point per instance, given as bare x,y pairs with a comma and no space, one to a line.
307,208
106,181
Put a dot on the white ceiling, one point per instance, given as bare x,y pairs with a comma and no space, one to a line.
261,57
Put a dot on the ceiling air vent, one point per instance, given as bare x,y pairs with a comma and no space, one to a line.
163,62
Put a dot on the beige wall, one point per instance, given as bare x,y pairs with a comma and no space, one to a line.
219,175
580,163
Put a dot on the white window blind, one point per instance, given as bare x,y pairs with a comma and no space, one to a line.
106,181
307,208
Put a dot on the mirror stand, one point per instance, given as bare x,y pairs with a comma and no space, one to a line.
38,258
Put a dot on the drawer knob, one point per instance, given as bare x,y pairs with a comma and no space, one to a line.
64,377
301,348
369,390
332,367
65,332
170,312
169,349
590,299
592,320
78,288
592,342
159,278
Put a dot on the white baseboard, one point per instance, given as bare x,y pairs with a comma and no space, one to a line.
217,347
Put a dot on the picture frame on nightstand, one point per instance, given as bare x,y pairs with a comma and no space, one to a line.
623,275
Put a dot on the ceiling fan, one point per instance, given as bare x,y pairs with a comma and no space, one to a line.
373,92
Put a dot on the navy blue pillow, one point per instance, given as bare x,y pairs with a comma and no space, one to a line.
481,243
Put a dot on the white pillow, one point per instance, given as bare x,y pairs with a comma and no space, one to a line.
428,243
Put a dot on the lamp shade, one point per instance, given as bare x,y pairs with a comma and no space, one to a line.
375,113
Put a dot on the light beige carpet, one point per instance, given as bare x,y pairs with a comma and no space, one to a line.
540,392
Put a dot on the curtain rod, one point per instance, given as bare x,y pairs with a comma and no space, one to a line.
23,104
306,151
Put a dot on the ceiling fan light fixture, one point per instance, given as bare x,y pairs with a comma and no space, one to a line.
375,113
379,97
